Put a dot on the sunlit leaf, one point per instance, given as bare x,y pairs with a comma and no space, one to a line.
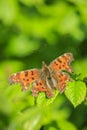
76,92
65,125
42,100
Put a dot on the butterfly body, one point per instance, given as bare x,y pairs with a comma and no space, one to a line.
48,76
46,83
46,79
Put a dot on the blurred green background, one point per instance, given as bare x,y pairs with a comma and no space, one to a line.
32,31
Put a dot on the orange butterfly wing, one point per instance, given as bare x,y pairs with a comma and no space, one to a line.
62,79
62,62
25,78
59,64
40,86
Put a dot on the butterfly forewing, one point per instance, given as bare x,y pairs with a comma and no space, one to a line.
62,62
58,65
25,78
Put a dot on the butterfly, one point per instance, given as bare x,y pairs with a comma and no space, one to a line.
46,79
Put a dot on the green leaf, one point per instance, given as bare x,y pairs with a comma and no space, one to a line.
30,119
76,92
65,125
74,76
42,100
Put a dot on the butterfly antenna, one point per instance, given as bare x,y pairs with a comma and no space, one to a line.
44,64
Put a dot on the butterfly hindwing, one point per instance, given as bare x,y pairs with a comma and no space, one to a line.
62,80
40,86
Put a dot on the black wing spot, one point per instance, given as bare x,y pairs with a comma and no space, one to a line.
61,80
32,73
55,63
59,67
63,65
37,84
40,83
59,60
32,78
26,73
59,76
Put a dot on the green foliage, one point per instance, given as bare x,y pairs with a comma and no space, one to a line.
25,121
42,100
32,31
76,92
65,125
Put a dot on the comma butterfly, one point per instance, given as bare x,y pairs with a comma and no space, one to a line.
46,79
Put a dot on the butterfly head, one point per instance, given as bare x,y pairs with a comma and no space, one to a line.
45,69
